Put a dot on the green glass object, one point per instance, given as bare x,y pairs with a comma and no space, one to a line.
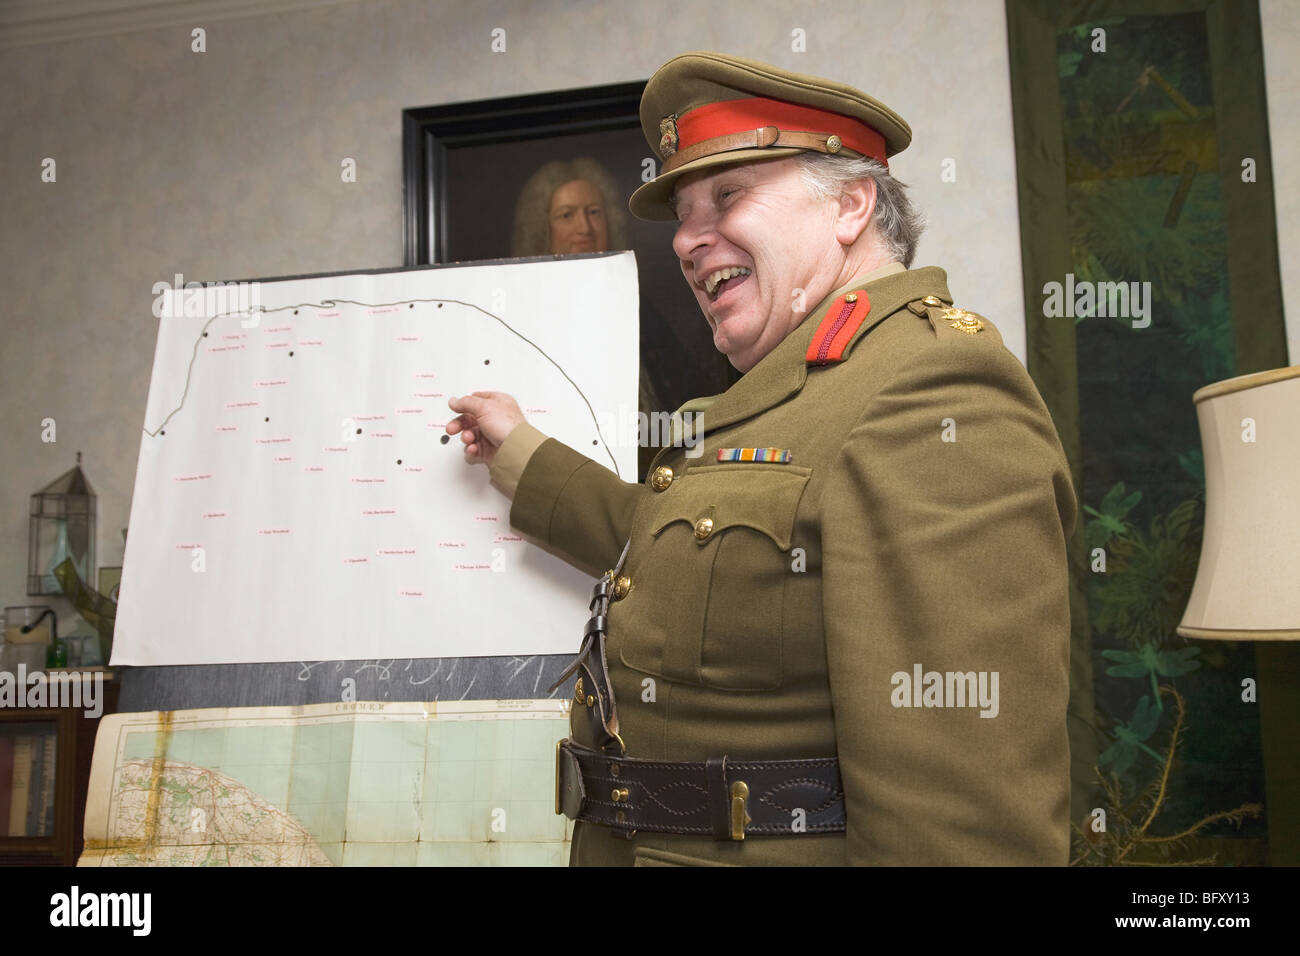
61,553
56,654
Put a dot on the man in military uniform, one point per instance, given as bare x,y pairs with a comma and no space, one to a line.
841,633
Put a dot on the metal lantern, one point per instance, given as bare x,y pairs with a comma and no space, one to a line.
62,526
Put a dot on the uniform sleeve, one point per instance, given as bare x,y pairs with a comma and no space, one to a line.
512,457
573,506
949,557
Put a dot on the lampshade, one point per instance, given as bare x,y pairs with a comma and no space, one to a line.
1248,581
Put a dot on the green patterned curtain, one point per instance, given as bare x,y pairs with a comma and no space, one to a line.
1150,257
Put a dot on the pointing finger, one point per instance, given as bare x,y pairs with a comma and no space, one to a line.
467,403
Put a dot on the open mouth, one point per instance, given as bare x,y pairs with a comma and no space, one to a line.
718,283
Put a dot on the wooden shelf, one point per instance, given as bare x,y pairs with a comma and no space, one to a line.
75,736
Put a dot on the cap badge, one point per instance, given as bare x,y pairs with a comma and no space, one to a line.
668,135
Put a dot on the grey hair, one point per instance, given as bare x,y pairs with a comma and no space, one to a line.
898,224
532,232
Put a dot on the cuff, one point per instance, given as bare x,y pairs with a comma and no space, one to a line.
512,457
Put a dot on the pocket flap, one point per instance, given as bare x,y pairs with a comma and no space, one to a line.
759,496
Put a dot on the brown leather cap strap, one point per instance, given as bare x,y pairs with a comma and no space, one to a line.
761,138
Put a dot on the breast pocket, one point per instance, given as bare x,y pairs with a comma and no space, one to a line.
708,591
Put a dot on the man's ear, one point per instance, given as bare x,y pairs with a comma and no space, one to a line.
857,204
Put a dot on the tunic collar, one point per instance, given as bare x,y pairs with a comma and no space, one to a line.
783,371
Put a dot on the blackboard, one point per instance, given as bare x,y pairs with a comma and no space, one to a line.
320,682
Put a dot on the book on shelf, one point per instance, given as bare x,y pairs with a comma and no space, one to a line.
6,780
28,780
34,786
45,803
20,789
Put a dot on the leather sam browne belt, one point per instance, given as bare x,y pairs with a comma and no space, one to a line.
718,797
728,800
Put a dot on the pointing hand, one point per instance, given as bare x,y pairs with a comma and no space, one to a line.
485,419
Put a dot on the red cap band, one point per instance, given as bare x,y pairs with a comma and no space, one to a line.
739,116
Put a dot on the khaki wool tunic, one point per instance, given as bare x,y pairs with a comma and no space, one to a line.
920,526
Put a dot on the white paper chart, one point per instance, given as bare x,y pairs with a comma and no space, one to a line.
294,500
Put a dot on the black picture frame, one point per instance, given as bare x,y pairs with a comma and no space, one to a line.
464,165
430,134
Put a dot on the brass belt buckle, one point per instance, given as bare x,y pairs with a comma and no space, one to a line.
739,816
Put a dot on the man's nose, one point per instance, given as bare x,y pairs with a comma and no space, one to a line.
692,233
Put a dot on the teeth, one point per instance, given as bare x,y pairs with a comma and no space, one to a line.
711,283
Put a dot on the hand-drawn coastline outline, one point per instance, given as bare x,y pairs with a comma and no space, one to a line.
333,303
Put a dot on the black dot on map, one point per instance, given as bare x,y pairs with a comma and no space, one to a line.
267,419
290,354
205,335
487,361
295,311
399,461
358,431
411,306
594,442
440,305
163,432
444,439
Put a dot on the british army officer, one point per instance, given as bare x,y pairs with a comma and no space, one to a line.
840,634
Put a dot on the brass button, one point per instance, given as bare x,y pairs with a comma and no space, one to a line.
851,297
703,528
622,584
833,144
932,300
590,700
661,478
619,794
578,695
